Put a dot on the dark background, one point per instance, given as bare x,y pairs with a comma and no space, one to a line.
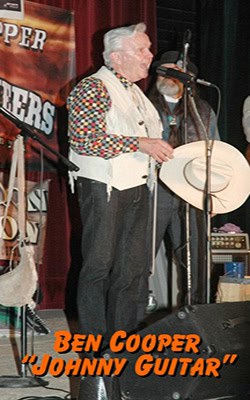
220,47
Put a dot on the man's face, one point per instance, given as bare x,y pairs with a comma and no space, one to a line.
134,59
170,86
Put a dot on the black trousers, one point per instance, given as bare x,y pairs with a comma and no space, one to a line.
115,256
171,229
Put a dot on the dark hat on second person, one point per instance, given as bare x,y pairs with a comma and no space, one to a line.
175,57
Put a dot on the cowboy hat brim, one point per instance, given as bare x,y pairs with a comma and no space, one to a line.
229,178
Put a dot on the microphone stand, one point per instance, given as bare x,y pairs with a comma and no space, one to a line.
23,380
187,37
26,131
207,199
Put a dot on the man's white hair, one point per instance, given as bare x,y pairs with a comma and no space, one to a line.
113,39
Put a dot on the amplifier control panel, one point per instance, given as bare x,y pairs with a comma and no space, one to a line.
230,241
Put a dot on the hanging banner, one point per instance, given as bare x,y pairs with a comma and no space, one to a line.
37,65
11,9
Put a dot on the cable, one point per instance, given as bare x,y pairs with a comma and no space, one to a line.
46,398
41,398
66,397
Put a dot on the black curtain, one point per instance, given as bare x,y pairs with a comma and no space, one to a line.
223,33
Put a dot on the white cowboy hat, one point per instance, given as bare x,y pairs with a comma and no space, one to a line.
185,175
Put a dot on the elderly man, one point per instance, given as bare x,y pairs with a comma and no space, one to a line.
115,139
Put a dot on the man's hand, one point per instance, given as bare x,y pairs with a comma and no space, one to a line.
159,149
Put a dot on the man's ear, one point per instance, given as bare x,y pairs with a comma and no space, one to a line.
115,57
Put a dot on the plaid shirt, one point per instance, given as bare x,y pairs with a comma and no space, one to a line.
88,105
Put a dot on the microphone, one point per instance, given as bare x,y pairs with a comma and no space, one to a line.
181,76
187,37
186,44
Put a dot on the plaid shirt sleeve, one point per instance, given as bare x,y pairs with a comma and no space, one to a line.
88,104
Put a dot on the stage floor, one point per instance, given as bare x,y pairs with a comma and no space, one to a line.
10,345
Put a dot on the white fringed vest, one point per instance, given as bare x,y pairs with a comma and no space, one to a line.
129,169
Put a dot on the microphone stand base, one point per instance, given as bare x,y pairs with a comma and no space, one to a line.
21,382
